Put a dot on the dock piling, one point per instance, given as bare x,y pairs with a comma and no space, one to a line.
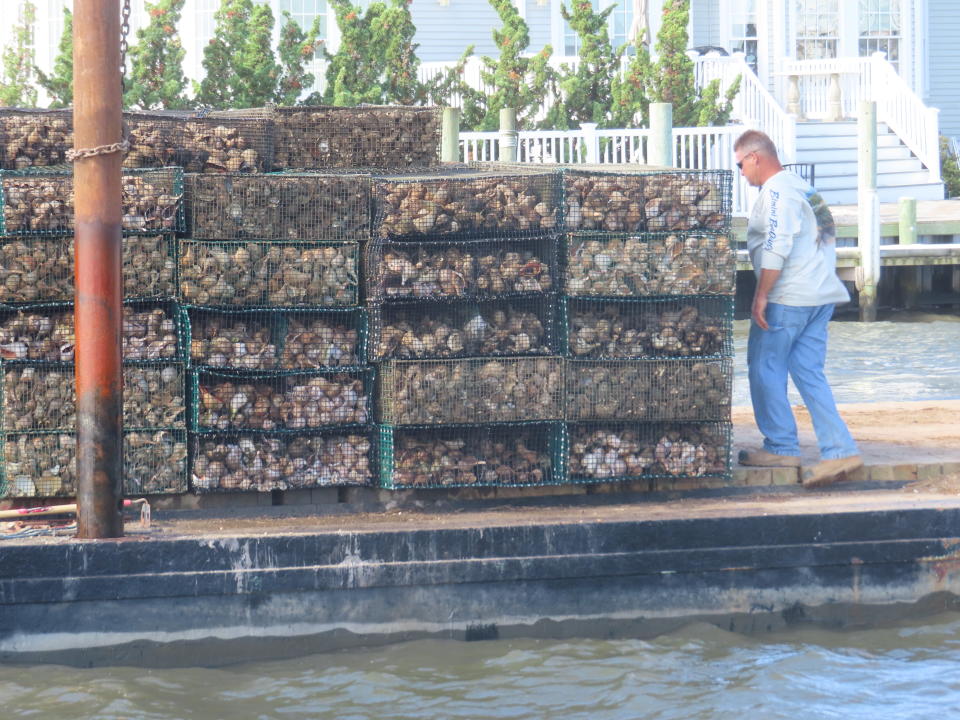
868,216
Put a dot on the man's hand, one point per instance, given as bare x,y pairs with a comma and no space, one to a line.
759,310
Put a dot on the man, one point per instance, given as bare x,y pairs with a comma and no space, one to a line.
791,241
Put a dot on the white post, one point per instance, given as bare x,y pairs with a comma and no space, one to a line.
450,135
660,147
834,99
591,142
868,214
508,135
933,139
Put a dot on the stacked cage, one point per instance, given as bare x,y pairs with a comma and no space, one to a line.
268,281
461,281
647,319
39,418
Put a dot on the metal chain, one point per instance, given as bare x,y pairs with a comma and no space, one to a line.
124,31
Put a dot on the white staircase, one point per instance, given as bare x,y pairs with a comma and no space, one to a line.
832,148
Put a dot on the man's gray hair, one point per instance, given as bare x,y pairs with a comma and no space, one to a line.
756,141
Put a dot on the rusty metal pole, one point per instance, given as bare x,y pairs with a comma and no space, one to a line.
97,120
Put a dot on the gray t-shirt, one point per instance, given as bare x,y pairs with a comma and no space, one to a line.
791,229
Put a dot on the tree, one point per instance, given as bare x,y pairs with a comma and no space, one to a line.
377,61
517,82
587,89
671,79
16,85
240,67
59,85
296,47
156,73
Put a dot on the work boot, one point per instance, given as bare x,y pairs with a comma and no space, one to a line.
826,472
762,458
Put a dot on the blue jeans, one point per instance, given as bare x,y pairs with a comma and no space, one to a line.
796,343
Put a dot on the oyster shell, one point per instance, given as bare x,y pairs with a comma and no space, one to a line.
661,265
471,391
252,462
268,274
34,139
154,462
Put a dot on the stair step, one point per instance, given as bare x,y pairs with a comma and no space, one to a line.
898,152
884,180
837,129
925,191
842,142
849,168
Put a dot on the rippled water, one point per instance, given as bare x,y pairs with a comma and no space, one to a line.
880,361
904,672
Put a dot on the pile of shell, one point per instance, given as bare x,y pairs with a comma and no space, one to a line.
648,390
279,207
40,465
666,265
34,139
423,272
153,396
281,403
622,453
154,462
44,204
440,333
472,391
318,342
314,137
224,342
278,463
422,460
37,398
196,145
662,202
615,332
466,204
41,269
259,274
147,335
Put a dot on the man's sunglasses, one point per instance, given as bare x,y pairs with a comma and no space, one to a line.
740,164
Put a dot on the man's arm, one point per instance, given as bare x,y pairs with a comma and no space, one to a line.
768,278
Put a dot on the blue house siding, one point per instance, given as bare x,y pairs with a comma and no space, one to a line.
445,31
539,21
943,80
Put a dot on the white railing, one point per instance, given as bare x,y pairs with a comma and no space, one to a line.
917,125
813,80
753,106
706,148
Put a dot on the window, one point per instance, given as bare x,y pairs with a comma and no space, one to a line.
618,25
304,12
880,29
818,29
743,31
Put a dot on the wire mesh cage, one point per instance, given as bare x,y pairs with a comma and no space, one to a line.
42,396
150,332
644,265
41,269
280,401
621,198
365,136
682,389
510,455
226,462
433,392
635,451
697,326
286,206
40,202
461,201
212,143
267,274
276,339
519,326
42,465
34,138
446,270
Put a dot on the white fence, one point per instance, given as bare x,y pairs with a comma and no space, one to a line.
707,148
